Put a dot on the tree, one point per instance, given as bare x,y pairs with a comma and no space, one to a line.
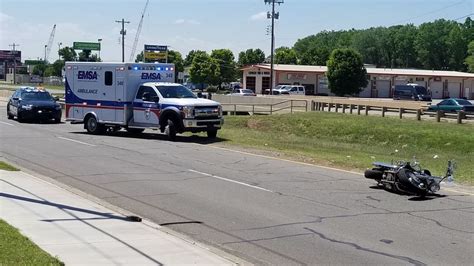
470,58
39,69
251,57
68,54
175,58
227,66
457,51
204,69
431,43
139,57
316,56
346,72
189,58
285,55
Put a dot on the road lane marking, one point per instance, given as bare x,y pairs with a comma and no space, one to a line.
229,180
76,141
5,123
284,160
315,165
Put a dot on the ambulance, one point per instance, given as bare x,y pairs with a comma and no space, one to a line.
135,96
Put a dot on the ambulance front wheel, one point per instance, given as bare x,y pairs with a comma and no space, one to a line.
212,134
93,127
170,130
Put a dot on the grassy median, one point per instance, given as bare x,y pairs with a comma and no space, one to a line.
353,142
15,249
7,167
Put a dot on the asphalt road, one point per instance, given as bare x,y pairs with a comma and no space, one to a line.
264,210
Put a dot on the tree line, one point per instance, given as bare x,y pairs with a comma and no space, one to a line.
440,45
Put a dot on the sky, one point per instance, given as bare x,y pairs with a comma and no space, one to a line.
186,25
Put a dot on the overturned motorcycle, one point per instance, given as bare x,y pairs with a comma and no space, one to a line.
408,178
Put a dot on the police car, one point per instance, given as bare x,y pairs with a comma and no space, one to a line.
34,104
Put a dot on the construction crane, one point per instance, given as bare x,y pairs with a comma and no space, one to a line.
134,47
50,44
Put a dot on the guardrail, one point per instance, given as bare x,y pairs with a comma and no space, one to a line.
419,109
266,108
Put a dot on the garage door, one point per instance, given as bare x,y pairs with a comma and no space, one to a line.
436,90
453,89
383,88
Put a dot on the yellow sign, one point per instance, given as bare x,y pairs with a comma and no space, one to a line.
154,56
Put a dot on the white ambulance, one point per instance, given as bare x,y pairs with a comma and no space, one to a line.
136,96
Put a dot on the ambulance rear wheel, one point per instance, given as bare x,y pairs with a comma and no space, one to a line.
93,127
170,130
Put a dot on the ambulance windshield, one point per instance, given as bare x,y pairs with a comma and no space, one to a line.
175,91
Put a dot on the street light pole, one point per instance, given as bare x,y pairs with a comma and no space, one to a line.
59,49
123,32
273,16
45,46
100,47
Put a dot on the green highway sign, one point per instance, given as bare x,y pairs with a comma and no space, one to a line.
33,62
87,46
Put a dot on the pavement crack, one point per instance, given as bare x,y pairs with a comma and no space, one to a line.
358,247
440,224
265,239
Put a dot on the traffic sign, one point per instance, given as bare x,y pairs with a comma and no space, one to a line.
34,62
87,46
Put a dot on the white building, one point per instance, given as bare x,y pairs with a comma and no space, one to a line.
382,80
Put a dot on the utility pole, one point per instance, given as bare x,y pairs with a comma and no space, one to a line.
273,16
123,32
14,45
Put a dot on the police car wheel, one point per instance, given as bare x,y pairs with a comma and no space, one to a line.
9,116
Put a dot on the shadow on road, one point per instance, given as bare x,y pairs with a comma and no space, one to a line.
156,136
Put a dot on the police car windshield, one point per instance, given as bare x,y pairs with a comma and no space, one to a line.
175,91
40,96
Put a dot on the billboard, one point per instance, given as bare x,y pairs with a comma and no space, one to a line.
8,55
152,56
157,48
86,46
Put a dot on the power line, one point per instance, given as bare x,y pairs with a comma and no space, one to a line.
431,12
456,19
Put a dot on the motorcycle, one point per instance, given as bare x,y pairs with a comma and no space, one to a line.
408,178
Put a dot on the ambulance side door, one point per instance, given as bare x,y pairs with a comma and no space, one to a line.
120,97
145,110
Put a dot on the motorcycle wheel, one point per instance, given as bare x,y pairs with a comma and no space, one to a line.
373,174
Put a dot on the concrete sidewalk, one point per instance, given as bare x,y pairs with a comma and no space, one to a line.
82,232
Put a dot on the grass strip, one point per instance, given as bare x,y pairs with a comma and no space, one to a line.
354,142
16,249
7,167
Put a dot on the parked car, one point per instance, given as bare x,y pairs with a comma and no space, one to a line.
453,105
32,103
411,92
296,90
243,92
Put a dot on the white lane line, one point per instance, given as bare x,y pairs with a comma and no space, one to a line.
76,141
284,160
5,123
229,180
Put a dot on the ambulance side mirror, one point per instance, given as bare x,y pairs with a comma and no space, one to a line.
155,98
